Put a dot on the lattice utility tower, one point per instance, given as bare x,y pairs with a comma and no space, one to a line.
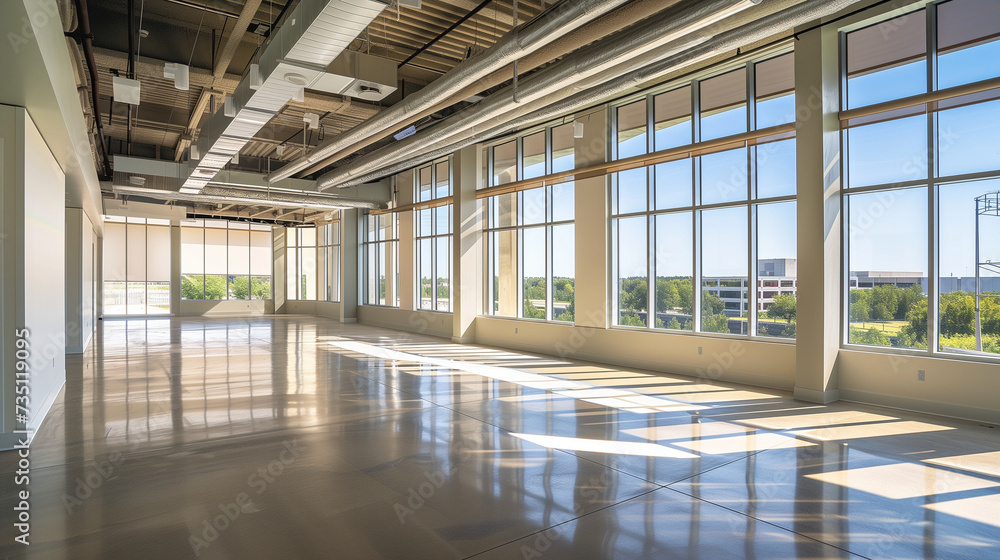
987,205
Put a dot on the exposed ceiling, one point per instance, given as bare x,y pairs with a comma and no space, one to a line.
196,31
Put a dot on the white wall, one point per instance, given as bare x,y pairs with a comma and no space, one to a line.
33,257
81,244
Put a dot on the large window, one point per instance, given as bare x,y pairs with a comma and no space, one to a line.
705,241
313,262
222,259
380,259
136,266
922,228
530,231
433,237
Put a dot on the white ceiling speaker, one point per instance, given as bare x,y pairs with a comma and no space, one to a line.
229,106
125,90
194,155
312,120
281,150
256,81
577,129
180,73
296,78
300,95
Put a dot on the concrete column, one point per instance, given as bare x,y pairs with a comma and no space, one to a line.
818,157
279,291
175,268
349,266
592,227
407,252
74,281
467,246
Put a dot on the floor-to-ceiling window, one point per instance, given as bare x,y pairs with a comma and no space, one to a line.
529,228
379,259
704,240
432,235
921,135
303,280
328,257
136,266
222,259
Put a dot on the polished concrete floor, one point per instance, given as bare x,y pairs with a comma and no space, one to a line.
299,437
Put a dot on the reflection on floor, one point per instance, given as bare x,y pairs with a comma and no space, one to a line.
300,437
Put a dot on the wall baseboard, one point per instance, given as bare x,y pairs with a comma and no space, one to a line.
349,320
962,412
815,396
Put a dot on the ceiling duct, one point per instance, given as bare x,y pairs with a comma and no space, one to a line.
516,44
613,84
249,197
297,57
681,27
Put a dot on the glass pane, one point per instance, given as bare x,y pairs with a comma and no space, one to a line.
674,263
239,287
158,298
135,251
307,263
533,148
503,260
505,163
425,272
724,105
333,274
192,286
307,236
503,210
442,223
777,254
672,118
443,282
724,176
533,272
968,138
563,156
887,152
424,184
292,279
260,253
158,253
114,253
192,250
887,60
387,226
724,270
215,287
335,233
775,91
957,268
887,262
136,295
239,252
260,287
673,184
533,206
776,169
631,188
371,259
968,45
631,129
115,294
631,265
563,272
372,227
443,184
424,219
563,201
216,253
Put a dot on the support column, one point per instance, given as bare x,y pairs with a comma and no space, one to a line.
349,266
175,268
279,276
818,160
592,226
406,251
467,246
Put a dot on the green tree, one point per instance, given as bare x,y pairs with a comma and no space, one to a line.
240,287
632,294
884,303
860,307
674,324
631,320
871,337
789,331
192,287
215,287
260,287
532,312
783,307
715,323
